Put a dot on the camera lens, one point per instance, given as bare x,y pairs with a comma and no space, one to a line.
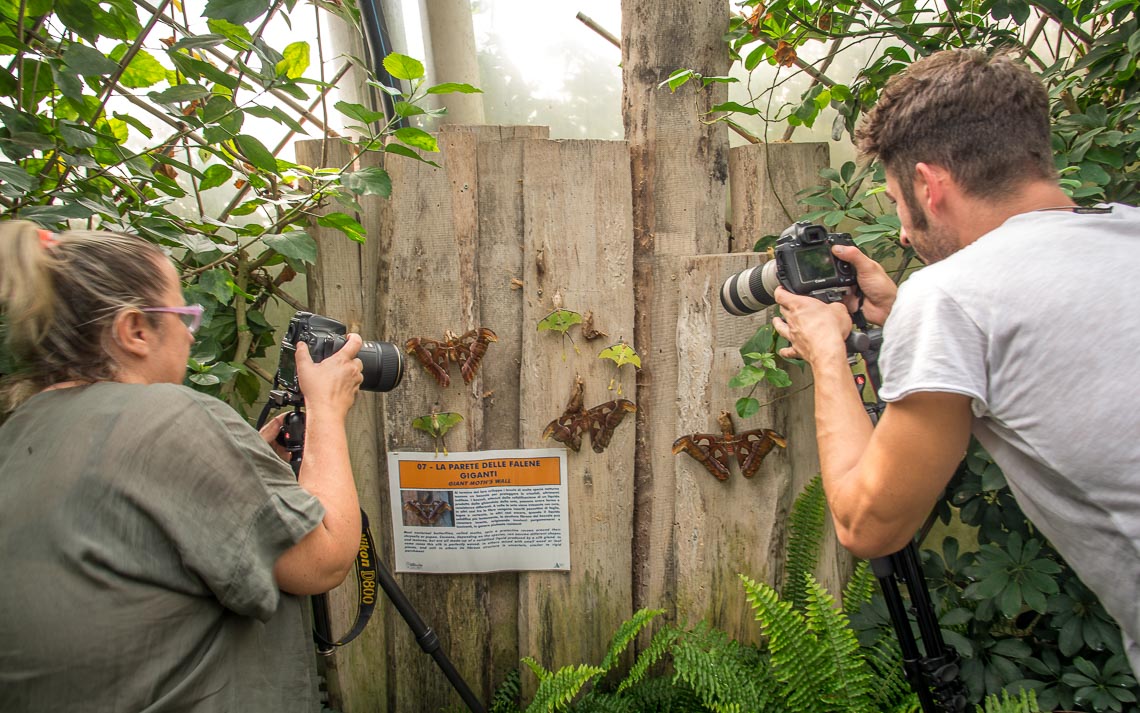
749,291
383,366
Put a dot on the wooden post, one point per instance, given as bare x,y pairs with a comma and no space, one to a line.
340,286
679,170
578,256
434,286
765,181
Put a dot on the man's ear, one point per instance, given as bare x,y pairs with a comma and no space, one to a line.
931,184
132,333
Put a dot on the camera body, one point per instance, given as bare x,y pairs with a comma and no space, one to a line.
324,336
803,265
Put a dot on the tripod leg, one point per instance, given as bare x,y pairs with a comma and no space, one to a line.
884,570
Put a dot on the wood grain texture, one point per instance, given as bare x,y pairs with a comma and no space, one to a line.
765,181
577,254
339,286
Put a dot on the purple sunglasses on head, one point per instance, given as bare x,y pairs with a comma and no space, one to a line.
191,315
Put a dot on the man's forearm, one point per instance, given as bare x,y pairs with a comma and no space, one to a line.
843,431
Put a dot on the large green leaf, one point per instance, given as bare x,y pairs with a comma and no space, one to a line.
403,67
295,61
361,113
88,61
216,175
142,71
256,152
79,16
368,181
180,93
452,87
238,12
344,223
296,244
418,138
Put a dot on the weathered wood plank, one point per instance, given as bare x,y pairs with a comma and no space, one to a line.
435,287
679,170
578,255
765,181
339,287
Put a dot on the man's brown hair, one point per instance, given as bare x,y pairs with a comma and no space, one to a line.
983,118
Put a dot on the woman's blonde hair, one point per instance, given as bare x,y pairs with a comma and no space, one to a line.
60,294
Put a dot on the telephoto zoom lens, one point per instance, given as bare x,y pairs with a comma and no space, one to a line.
383,366
750,291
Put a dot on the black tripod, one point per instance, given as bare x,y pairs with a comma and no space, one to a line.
934,676
292,437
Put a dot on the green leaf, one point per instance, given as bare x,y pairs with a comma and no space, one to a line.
180,93
296,60
237,35
746,377
142,71
779,378
678,78
88,61
205,379
199,42
747,407
738,108
559,320
216,175
216,283
368,181
256,152
344,223
403,67
17,177
79,15
418,138
238,12
295,244
361,113
405,151
452,87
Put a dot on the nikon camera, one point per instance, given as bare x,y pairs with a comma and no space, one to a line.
383,361
803,265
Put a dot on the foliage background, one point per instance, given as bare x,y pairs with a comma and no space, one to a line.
118,115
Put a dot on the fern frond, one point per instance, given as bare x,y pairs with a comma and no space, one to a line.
653,653
805,533
725,676
539,671
556,690
797,656
1026,702
849,688
505,699
860,588
892,691
626,633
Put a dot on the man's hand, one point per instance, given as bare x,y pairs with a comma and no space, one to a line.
815,329
331,385
878,289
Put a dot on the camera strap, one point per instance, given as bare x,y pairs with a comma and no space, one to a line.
365,588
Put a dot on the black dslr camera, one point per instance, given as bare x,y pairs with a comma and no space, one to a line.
383,361
804,265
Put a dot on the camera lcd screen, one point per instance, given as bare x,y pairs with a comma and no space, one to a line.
287,367
815,264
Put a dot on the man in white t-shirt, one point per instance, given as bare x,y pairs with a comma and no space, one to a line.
1023,329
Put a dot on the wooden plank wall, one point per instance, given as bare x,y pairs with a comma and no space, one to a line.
578,255
510,226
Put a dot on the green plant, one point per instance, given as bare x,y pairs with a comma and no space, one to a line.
1024,702
119,116
810,661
